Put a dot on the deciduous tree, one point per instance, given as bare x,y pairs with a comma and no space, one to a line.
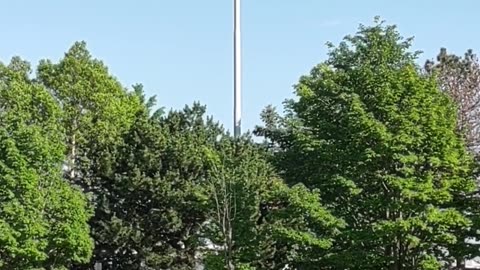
379,140
257,220
43,221
459,77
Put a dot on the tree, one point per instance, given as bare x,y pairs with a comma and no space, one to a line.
460,79
378,139
43,221
97,112
156,203
258,222
161,190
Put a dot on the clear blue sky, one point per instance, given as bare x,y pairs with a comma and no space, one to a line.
181,50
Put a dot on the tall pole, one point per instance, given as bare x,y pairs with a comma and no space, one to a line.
237,107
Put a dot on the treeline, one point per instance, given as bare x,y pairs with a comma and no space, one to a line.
371,166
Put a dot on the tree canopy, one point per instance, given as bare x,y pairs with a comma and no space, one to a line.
379,140
43,220
369,167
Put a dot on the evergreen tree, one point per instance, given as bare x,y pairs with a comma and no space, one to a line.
156,201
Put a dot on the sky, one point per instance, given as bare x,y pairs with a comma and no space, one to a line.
181,50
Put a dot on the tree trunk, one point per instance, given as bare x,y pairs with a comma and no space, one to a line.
460,263
229,246
73,151
72,158
401,246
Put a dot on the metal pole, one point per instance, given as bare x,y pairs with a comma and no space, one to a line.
237,107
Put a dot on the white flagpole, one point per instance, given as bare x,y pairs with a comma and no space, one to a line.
237,108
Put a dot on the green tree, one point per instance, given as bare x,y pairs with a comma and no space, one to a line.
43,221
159,203
156,202
459,78
97,112
258,222
378,139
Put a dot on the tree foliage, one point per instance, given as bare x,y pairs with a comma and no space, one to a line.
257,220
367,169
155,204
459,77
97,110
378,139
43,221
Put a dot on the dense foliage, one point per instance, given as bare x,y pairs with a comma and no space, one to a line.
263,223
378,139
43,221
368,168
